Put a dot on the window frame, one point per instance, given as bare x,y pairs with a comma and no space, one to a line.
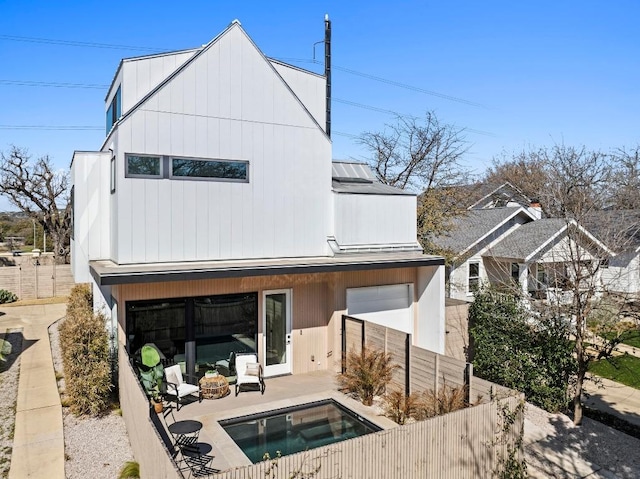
470,278
112,174
127,174
208,178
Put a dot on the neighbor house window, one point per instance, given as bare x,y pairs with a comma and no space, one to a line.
115,110
542,276
143,166
474,277
210,169
515,273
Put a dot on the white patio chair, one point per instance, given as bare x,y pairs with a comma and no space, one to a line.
176,386
249,372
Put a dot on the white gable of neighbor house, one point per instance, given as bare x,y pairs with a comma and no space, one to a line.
226,103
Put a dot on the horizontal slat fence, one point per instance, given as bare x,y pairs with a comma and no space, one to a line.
461,444
427,370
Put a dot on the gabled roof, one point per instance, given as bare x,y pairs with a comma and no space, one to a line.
198,54
618,229
478,195
476,225
357,178
535,238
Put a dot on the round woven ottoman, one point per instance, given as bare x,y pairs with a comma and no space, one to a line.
214,387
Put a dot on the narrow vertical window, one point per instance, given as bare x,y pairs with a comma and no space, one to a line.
474,277
113,174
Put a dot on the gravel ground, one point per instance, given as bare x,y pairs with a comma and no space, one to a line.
9,375
94,447
592,442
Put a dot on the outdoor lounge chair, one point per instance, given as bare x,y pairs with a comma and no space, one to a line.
249,372
176,386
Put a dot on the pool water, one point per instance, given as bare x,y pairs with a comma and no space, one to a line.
295,429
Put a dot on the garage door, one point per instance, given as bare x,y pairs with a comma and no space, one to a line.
389,306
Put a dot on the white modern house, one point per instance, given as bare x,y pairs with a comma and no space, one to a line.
212,219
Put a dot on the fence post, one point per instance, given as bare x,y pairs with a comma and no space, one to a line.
468,377
407,365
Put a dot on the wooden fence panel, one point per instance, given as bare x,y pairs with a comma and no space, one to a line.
353,331
458,445
375,336
397,346
30,281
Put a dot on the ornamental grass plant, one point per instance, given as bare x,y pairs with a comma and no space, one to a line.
367,373
85,355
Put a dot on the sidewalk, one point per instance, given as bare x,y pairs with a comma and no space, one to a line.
38,443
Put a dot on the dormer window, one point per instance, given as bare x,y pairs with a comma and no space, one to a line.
115,110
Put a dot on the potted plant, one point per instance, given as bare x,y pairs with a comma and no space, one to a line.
151,374
156,401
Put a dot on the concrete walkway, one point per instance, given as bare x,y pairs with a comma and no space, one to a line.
38,443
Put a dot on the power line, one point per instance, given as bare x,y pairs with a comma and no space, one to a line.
73,43
390,82
53,84
52,127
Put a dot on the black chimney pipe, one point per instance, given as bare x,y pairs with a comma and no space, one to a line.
327,70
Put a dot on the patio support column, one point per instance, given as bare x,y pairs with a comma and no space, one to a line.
523,278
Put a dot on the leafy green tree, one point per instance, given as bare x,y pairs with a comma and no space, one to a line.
529,353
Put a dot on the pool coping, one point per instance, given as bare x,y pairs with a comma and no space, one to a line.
229,455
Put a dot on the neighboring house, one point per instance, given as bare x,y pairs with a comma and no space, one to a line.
509,246
480,196
212,219
620,231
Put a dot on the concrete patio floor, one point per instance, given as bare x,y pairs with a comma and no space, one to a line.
280,392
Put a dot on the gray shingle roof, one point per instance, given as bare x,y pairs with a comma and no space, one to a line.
474,226
527,239
618,229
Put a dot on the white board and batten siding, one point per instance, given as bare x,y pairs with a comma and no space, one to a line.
228,103
91,222
367,219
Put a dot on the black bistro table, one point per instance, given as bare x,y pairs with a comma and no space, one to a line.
185,432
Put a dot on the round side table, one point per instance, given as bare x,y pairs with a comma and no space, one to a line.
214,387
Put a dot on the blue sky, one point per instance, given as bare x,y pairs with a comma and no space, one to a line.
519,74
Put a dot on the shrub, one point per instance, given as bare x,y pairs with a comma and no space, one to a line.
445,400
85,355
367,373
522,351
7,296
130,470
399,407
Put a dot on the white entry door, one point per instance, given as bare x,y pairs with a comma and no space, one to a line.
276,327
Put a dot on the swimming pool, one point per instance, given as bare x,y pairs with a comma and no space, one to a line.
295,429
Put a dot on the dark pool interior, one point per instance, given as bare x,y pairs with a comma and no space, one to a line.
295,429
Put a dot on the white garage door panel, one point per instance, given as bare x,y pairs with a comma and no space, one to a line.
389,306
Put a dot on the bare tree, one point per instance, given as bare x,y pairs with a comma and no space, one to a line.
34,187
626,194
425,156
576,185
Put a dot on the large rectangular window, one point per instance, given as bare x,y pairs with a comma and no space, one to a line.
143,166
198,333
216,169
